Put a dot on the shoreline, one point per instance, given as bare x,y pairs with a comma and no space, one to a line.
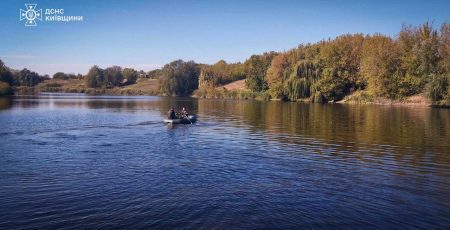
413,101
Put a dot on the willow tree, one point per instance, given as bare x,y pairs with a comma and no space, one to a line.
299,83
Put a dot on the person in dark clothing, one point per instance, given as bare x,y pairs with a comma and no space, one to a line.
171,114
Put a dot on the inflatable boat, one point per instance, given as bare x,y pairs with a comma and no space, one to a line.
189,120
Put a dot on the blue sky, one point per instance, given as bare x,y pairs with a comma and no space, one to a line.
148,34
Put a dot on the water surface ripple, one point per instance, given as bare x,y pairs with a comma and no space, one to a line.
78,161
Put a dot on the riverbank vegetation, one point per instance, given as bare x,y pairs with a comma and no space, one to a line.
11,79
352,67
414,62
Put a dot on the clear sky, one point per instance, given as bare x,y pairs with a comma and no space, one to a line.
148,34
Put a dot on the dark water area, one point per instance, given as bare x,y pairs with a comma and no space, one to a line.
75,161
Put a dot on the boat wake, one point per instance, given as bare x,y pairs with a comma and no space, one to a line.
145,123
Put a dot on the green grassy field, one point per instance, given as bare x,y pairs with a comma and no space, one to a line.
141,87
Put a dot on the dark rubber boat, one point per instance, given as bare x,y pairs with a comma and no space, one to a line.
191,119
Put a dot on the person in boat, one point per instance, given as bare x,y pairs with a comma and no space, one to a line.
171,114
184,113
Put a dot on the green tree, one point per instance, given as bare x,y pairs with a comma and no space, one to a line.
5,74
155,74
427,50
220,73
342,56
113,76
444,48
255,70
381,60
437,88
179,78
330,86
26,77
420,54
300,82
94,78
130,75
60,75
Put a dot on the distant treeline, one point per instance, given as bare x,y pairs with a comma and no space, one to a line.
414,61
67,76
10,78
95,78
110,77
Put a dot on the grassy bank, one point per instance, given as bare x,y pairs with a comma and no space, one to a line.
233,90
363,97
223,93
142,87
358,97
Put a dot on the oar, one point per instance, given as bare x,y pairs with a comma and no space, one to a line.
188,118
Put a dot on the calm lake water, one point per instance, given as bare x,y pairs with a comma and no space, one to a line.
80,161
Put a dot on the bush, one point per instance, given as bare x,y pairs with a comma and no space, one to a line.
330,86
405,86
361,97
437,88
276,91
5,89
265,96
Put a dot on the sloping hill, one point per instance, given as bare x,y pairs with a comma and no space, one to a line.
141,87
236,85
144,86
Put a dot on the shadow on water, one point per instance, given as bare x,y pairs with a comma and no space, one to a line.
5,103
